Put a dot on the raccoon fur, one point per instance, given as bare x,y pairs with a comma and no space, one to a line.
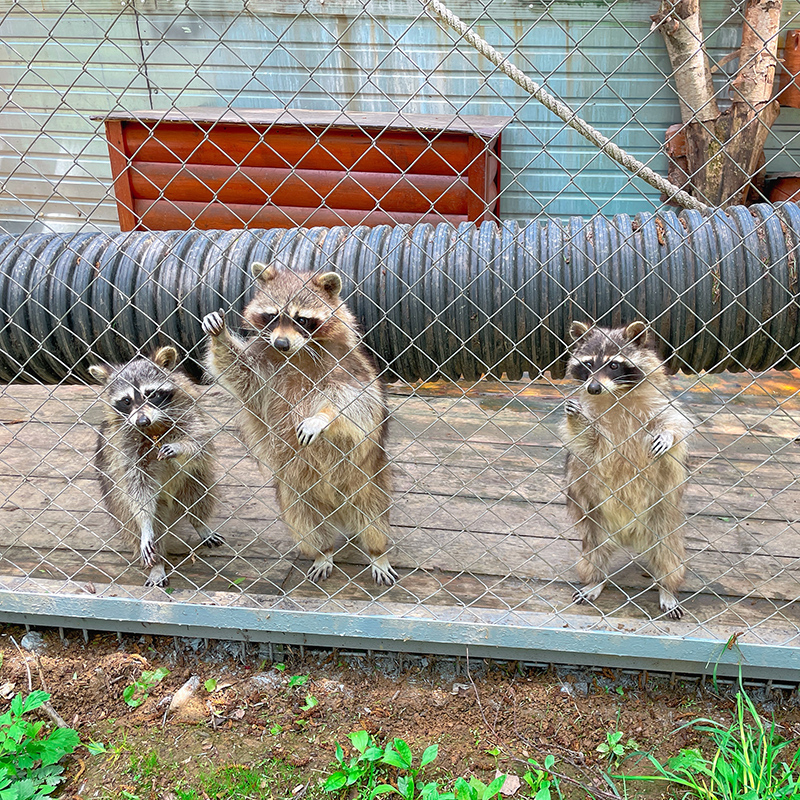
626,464
154,457
314,411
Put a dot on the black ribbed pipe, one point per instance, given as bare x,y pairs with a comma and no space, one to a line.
720,291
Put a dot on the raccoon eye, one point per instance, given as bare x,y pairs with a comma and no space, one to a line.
160,398
309,323
266,319
126,402
613,365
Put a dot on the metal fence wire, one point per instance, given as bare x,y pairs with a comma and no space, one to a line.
152,152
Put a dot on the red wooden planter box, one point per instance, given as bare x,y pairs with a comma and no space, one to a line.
219,168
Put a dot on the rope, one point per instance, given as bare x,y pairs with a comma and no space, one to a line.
563,111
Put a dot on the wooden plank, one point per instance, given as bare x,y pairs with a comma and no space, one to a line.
120,163
169,215
435,123
305,188
299,148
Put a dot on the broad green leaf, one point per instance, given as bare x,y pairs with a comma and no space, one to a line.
404,751
359,740
373,753
393,759
384,788
549,762
335,782
494,787
429,754
405,786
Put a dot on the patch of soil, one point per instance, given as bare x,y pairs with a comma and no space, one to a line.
484,716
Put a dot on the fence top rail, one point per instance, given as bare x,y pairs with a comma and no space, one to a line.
485,126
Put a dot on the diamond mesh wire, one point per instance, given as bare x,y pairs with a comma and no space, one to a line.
391,121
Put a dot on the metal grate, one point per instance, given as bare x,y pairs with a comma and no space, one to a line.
469,325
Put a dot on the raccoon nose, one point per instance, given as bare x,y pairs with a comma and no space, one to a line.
142,420
595,387
281,343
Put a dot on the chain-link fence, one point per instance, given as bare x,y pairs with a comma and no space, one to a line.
153,152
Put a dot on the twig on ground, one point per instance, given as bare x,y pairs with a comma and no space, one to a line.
57,719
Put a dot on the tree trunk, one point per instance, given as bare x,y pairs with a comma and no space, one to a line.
723,150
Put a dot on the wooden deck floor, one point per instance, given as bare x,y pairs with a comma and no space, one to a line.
479,521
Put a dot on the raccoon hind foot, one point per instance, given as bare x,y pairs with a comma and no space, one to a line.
212,539
383,573
157,577
669,604
321,569
588,594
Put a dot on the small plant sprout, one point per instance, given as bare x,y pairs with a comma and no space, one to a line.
358,771
310,703
136,693
613,748
298,680
210,685
540,780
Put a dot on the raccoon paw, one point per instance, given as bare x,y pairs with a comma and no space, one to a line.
148,554
309,429
214,323
670,606
662,442
157,577
383,573
572,408
587,594
321,569
168,451
213,540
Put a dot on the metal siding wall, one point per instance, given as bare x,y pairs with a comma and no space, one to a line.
64,62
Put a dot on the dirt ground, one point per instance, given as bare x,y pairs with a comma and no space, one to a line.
491,716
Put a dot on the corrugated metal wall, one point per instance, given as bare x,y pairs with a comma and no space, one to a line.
64,62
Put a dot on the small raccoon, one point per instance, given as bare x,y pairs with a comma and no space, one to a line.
314,412
626,461
154,456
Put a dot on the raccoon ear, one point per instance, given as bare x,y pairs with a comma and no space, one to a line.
166,357
329,282
263,272
636,332
100,372
578,329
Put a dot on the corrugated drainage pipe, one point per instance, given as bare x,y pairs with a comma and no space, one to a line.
720,291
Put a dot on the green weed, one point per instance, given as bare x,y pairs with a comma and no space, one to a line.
360,774
747,764
29,767
540,780
613,747
136,693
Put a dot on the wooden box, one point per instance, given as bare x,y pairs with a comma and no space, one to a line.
222,169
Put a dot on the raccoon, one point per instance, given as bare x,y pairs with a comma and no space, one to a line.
314,412
154,457
626,462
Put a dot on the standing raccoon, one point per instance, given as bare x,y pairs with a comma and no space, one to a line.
626,462
314,412
154,456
